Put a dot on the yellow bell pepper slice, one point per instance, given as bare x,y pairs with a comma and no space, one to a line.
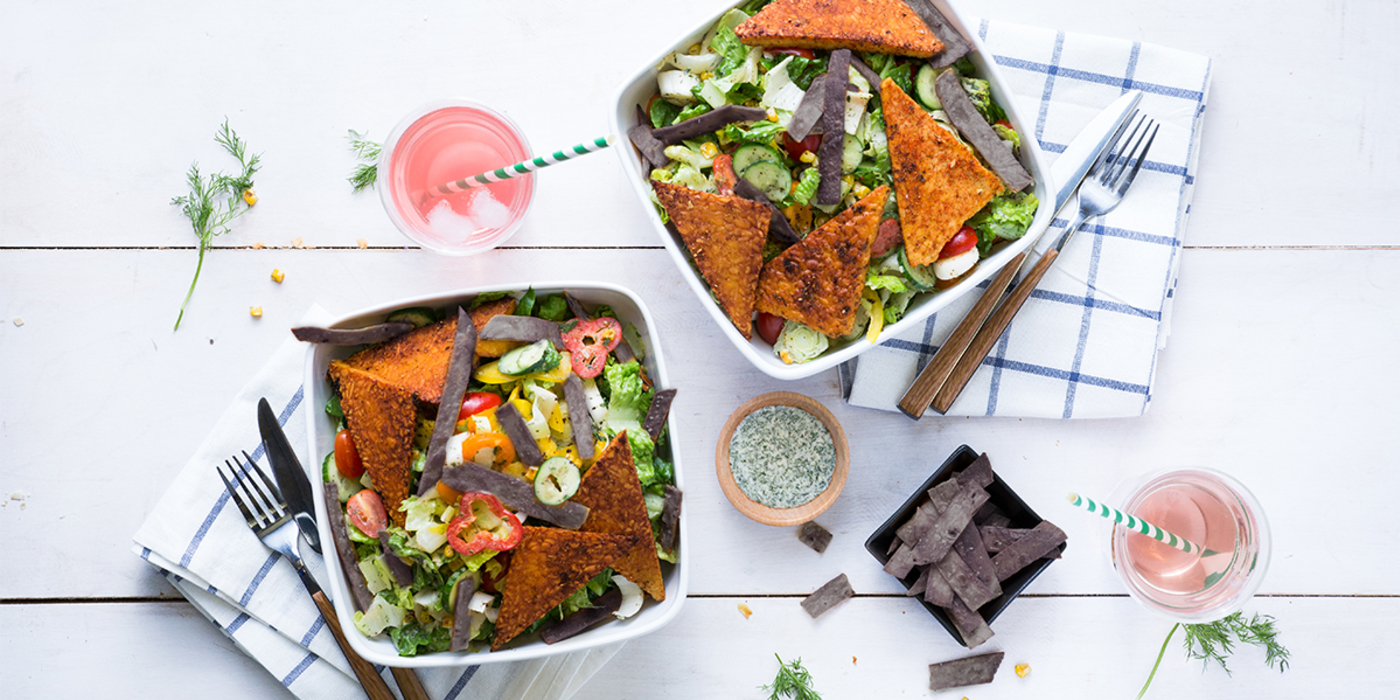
877,315
490,373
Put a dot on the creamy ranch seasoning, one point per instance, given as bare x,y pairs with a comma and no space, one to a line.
782,456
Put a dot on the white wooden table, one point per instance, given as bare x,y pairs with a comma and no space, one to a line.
1281,367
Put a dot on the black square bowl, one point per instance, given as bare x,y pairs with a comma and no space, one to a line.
1003,497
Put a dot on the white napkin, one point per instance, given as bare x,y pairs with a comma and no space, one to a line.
203,546
1085,344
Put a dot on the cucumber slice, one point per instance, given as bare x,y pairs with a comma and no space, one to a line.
556,481
345,486
754,153
539,356
772,178
851,152
419,316
923,87
920,277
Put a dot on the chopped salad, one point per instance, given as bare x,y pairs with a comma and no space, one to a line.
448,539
719,71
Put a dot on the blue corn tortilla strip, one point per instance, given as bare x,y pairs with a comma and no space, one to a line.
403,573
979,472
997,538
814,536
352,336
526,449
970,548
1033,545
516,494
954,45
707,123
655,420
975,129
936,543
602,608
526,329
459,374
653,151
965,582
867,72
833,593
937,591
344,549
834,127
670,517
809,111
580,420
971,627
958,673
920,584
778,225
461,617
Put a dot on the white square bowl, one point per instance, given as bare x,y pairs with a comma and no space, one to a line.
321,437
642,85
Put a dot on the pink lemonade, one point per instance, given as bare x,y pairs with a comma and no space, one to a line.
446,142
1211,510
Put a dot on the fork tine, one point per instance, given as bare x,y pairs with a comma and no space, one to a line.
259,513
272,487
270,510
1117,135
233,493
1127,179
1119,160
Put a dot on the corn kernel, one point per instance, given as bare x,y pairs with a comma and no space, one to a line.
707,75
363,243
1023,669
255,311
848,180
772,114
709,150
278,275
250,197
746,610
694,50
860,190
808,157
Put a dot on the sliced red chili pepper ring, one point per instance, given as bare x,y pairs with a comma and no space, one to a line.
483,523
589,342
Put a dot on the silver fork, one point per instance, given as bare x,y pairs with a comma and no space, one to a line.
265,510
948,372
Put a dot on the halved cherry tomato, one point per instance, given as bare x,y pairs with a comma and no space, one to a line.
347,458
366,511
447,493
769,326
964,240
491,582
725,179
505,451
589,342
796,148
804,53
483,523
476,402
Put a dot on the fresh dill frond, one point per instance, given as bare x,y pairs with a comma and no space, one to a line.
1214,641
367,152
793,681
217,200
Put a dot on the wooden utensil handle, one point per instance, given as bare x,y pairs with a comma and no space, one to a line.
990,333
374,685
409,685
921,392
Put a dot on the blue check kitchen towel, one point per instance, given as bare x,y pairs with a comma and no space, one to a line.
1085,344
200,542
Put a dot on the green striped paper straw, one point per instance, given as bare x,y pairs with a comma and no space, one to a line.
522,168
1139,526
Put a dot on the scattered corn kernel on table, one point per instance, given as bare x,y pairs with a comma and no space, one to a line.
1281,367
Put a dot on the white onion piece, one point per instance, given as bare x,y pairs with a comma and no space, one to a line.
631,597
956,266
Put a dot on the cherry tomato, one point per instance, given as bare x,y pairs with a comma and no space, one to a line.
769,326
795,149
1007,124
725,179
804,53
963,241
366,511
476,402
347,458
889,238
490,583
589,342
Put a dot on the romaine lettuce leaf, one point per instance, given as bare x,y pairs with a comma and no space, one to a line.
1006,217
628,399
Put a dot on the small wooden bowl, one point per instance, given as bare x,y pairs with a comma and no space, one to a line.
782,517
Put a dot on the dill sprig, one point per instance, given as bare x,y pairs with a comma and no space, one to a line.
367,152
214,202
793,681
1214,641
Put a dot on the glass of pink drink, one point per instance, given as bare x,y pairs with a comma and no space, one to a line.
446,141
1206,507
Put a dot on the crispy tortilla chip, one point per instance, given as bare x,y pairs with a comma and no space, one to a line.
416,361
482,314
879,26
818,281
613,495
382,418
725,235
939,181
548,565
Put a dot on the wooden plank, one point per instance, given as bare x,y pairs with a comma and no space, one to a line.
1242,321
